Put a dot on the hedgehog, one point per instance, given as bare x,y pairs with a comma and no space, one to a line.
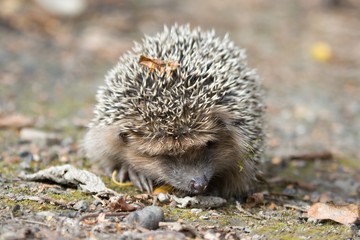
196,126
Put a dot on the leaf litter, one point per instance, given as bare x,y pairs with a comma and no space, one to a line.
69,175
344,214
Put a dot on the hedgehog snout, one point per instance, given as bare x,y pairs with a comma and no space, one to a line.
198,185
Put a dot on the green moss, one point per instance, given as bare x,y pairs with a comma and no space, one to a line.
221,217
288,230
28,204
7,170
296,173
283,225
70,196
173,214
349,162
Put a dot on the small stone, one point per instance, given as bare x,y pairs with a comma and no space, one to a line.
163,198
67,8
204,217
196,211
246,230
67,141
148,217
38,136
96,202
26,158
46,214
211,235
81,206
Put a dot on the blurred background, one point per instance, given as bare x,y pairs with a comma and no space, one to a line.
54,54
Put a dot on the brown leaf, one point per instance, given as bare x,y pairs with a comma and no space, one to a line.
101,218
159,65
163,189
345,214
15,121
255,199
118,204
69,175
272,206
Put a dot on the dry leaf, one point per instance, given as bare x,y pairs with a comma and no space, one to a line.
101,218
159,65
163,189
272,206
118,204
254,199
199,201
15,121
345,214
35,135
69,175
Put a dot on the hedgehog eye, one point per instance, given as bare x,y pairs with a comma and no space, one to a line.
210,144
123,136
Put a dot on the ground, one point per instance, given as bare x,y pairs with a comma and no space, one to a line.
308,56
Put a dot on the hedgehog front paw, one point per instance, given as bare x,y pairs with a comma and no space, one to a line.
139,180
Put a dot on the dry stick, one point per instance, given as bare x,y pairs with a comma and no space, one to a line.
95,215
35,222
11,215
302,209
56,202
326,155
303,185
246,213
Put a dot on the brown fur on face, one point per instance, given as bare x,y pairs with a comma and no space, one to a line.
220,156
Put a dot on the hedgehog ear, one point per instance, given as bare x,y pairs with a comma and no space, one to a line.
124,137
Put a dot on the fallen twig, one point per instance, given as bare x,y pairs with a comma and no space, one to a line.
35,222
302,209
95,215
326,155
302,185
246,213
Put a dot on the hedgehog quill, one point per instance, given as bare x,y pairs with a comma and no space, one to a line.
195,123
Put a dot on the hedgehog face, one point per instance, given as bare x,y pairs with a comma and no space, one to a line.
191,171
186,163
189,164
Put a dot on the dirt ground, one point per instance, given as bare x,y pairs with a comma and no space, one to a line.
307,53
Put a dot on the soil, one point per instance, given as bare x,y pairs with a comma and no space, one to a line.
308,56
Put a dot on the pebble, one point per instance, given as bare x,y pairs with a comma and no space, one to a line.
46,214
38,136
66,8
196,211
211,235
26,158
204,217
81,206
148,217
163,198
67,141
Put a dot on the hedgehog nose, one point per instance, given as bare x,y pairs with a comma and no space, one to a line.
198,184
